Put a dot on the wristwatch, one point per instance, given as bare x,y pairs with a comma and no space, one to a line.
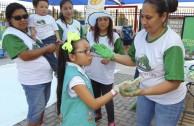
114,93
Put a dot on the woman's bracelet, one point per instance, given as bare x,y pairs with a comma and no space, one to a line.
114,57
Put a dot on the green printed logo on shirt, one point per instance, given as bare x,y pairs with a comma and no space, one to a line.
42,22
143,63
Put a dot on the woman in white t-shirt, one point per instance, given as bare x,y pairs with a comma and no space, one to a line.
158,53
34,71
101,71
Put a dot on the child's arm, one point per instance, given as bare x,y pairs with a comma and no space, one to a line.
83,92
33,33
58,40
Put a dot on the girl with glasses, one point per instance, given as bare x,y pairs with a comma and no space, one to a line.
75,100
31,64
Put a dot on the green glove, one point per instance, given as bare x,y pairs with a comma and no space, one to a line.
129,87
102,50
129,84
128,93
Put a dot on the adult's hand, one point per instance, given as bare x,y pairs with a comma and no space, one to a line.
130,93
102,50
51,48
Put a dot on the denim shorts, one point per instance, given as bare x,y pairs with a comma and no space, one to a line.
164,115
49,40
37,97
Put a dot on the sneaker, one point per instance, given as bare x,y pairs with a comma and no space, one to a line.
98,116
112,124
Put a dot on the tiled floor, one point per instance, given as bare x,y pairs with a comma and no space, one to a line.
188,115
124,116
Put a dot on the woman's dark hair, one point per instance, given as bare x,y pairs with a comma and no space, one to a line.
63,58
10,9
109,32
168,6
35,2
61,5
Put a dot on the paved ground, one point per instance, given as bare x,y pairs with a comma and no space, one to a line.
124,116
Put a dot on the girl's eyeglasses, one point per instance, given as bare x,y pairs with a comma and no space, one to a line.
19,18
87,52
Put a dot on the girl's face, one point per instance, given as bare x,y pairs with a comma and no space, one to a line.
67,10
83,56
103,23
20,19
150,19
42,8
126,22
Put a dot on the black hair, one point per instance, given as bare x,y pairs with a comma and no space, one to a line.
109,32
61,5
10,9
63,58
35,2
168,6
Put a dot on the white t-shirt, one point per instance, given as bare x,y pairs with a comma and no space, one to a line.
44,25
32,72
97,71
150,61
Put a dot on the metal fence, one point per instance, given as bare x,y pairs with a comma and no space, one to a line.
132,13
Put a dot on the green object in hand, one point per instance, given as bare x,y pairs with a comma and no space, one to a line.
129,93
102,50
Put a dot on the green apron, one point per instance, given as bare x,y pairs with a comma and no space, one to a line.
74,111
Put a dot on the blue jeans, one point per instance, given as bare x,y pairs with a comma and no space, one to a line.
50,56
37,97
165,115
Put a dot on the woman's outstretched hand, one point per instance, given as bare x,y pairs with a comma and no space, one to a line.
102,50
129,93
129,88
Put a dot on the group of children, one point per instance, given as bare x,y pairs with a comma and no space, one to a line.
77,95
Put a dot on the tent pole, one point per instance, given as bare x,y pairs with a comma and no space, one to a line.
53,9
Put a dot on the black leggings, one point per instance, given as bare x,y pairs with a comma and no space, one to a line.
99,90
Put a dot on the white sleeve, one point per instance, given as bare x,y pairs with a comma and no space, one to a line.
77,80
31,20
54,24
